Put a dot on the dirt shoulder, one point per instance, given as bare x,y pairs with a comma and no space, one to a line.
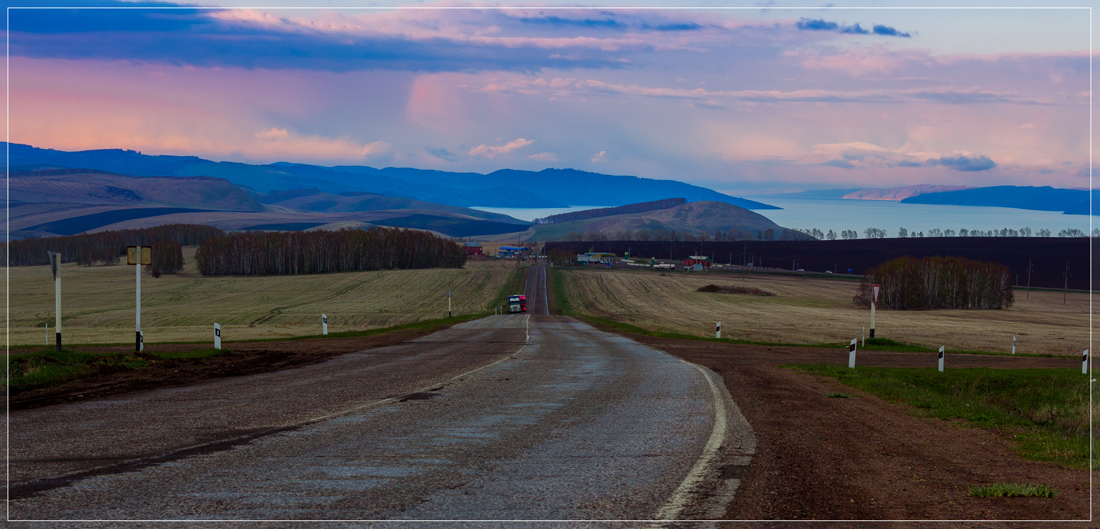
244,358
863,458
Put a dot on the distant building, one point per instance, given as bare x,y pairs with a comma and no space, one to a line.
701,260
595,257
473,248
510,252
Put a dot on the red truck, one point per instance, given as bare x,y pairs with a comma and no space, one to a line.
517,303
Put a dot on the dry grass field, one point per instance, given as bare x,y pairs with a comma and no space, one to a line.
98,302
808,310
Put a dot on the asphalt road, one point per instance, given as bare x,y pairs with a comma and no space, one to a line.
513,417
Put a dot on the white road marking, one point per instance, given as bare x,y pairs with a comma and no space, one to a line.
679,499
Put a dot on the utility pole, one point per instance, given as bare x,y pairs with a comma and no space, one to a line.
138,255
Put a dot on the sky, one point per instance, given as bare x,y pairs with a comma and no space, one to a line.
750,100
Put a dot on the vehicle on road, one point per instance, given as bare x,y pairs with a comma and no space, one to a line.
517,303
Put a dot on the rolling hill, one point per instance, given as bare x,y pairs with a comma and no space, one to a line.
59,201
691,218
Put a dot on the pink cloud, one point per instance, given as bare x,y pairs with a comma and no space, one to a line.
490,151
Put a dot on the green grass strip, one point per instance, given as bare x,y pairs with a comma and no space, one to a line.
1012,490
512,286
1045,410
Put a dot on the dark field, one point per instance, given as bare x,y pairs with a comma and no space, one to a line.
1048,255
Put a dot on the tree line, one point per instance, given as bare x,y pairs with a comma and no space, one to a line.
108,247
312,252
672,235
937,283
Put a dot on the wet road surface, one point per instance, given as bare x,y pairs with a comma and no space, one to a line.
555,421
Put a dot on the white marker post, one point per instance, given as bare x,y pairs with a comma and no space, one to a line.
217,336
1085,362
324,324
852,354
448,303
874,301
137,256
941,359
718,330
1013,345
863,336
55,264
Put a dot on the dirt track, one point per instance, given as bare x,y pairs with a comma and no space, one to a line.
863,458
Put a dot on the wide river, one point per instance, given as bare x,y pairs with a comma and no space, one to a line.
858,215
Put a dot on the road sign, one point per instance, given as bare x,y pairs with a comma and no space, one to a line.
875,289
55,262
448,293
132,255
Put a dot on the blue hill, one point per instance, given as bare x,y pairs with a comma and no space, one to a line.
504,188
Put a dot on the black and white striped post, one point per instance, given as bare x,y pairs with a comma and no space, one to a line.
55,264
718,330
324,324
1013,345
217,336
874,301
941,359
852,354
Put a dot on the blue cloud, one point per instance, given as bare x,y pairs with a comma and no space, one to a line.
889,31
856,29
818,24
193,37
585,22
442,154
964,163
906,163
684,26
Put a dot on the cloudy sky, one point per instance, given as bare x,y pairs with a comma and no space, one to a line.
747,101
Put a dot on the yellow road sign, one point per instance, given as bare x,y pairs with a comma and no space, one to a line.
146,255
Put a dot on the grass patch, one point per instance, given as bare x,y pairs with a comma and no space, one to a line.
512,286
557,287
1012,490
1044,410
49,367
837,395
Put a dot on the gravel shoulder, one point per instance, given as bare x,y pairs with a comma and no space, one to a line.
863,458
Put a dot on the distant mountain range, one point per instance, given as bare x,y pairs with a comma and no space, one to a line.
1046,198
504,188
57,201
